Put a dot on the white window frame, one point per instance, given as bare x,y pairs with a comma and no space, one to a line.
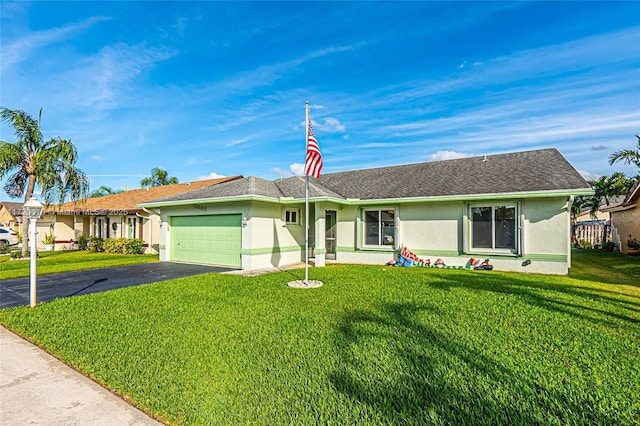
288,212
517,227
381,234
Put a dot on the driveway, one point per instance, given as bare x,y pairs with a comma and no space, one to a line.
15,292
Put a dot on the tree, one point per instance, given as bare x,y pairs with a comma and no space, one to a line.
104,190
605,188
158,178
32,162
628,156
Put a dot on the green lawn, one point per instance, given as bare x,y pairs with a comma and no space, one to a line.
53,262
374,345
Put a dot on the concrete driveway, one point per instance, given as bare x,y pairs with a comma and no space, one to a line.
15,292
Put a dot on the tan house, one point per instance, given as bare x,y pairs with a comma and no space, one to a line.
11,215
625,218
114,216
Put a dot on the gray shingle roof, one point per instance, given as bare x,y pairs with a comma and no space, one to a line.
527,171
540,170
249,186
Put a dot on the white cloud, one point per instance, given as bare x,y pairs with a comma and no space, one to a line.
588,175
239,141
212,175
281,173
447,155
22,48
266,75
333,124
295,169
96,158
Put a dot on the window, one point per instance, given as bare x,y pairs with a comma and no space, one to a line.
292,216
379,227
493,227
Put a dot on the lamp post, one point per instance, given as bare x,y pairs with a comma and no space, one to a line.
32,209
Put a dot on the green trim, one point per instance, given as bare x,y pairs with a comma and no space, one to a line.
270,250
320,251
540,257
345,250
162,247
546,257
358,202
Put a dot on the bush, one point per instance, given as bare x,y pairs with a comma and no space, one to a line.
585,244
123,245
95,244
83,242
16,255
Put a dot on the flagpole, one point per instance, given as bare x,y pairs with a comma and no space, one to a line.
306,200
312,166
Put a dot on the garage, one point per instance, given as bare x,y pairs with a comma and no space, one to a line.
211,240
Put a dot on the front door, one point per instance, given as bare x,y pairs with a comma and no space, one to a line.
330,234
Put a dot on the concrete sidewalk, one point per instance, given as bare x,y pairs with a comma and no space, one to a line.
37,389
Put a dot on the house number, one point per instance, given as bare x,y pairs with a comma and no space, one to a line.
200,207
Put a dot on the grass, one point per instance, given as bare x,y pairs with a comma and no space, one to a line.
603,266
374,345
53,262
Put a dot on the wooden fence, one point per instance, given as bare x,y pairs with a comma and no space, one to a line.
594,233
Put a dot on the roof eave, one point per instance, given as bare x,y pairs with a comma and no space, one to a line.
210,200
618,208
356,201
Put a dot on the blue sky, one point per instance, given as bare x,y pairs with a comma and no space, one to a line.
218,88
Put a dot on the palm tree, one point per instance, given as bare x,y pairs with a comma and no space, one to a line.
104,190
32,162
629,156
577,206
605,188
158,178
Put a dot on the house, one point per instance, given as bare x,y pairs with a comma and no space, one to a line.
11,215
114,215
511,208
625,218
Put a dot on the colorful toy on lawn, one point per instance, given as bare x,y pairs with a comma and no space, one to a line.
408,258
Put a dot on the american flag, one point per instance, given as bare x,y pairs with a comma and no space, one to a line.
313,163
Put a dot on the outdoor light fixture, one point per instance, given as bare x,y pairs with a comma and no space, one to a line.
32,209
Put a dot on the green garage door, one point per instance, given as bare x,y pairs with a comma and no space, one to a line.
213,240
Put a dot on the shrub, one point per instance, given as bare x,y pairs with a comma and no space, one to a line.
16,255
83,242
585,244
49,238
608,245
123,245
95,244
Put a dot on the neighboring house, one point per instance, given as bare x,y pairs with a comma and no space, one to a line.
586,216
625,218
11,215
512,208
114,215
